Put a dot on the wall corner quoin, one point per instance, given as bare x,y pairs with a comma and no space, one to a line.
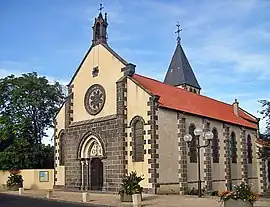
207,158
182,153
243,151
121,110
227,171
69,106
154,135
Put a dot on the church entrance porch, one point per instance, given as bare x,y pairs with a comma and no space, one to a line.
92,164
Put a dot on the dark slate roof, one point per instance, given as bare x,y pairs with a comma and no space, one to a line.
180,71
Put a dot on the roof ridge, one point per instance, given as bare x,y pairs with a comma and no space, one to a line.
181,100
184,90
114,53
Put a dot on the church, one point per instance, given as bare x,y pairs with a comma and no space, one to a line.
115,121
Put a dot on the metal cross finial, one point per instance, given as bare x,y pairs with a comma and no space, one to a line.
100,8
178,33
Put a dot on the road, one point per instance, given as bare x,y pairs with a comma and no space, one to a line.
19,201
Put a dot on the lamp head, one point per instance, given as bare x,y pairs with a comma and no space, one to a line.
198,132
187,138
209,135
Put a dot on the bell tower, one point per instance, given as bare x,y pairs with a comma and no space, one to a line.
180,73
100,28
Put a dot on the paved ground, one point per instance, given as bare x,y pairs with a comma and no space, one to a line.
19,201
99,199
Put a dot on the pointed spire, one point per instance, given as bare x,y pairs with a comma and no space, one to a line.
180,72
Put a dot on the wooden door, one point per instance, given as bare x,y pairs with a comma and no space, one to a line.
96,174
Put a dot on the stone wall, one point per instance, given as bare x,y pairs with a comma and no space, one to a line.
107,130
110,131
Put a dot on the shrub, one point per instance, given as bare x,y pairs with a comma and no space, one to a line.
130,184
14,181
242,192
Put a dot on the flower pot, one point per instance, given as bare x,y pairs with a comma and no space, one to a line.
125,197
237,203
137,200
49,194
85,197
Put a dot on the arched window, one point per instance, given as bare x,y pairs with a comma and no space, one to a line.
97,30
62,149
193,145
233,148
138,141
249,149
215,147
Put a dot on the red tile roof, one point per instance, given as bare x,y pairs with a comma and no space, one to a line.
179,99
245,115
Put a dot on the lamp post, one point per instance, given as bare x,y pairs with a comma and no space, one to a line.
198,132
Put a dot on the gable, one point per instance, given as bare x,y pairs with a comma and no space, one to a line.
86,55
109,71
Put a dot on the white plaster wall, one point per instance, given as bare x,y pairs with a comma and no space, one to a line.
60,119
168,146
236,167
137,100
218,169
192,170
252,168
60,175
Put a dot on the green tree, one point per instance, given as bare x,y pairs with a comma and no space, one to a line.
266,115
264,152
27,106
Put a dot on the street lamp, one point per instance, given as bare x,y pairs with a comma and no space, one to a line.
207,136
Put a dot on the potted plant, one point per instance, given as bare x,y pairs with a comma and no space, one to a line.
240,196
14,182
130,185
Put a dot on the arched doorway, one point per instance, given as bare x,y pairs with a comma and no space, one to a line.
96,174
91,154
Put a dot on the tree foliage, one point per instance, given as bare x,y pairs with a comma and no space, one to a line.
27,106
266,115
264,151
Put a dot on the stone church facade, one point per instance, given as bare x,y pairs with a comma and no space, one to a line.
115,121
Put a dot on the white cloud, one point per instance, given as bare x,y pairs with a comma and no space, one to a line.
4,73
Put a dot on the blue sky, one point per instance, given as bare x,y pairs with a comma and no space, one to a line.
226,42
